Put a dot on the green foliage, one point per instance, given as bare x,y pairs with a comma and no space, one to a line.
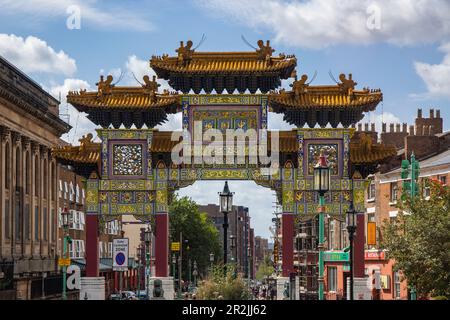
197,229
419,241
265,269
229,286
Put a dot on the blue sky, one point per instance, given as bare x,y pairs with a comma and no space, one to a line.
406,52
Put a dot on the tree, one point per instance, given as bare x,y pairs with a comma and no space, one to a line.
199,231
419,241
265,269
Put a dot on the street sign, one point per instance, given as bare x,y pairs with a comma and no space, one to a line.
335,256
175,246
120,254
64,262
371,233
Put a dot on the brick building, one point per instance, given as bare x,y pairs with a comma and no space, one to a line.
241,252
261,250
431,146
30,127
72,195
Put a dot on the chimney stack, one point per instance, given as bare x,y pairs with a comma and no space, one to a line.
438,113
359,126
372,127
431,113
383,127
405,127
391,127
397,127
411,130
419,113
366,127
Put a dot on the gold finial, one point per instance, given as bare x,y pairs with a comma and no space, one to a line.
264,51
104,86
151,86
85,141
185,52
347,85
300,86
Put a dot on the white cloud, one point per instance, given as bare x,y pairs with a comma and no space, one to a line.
436,76
81,125
140,68
108,16
275,121
35,55
321,23
378,119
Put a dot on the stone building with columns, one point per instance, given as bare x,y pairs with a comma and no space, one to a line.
29,126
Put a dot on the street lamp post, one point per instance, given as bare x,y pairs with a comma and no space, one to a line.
233,257
351,228
321,185
148,239
188,259
211,259
226,204
66,219
174,263
195,273
138,267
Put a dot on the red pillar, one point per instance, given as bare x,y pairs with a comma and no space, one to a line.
162,245
92,258
287,229
358,245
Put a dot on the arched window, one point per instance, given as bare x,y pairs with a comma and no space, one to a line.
7,167
36,176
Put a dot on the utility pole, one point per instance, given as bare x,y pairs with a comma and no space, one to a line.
180,259
410,189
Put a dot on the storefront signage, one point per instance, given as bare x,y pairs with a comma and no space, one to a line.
374,255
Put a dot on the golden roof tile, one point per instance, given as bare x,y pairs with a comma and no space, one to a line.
341,95
109,96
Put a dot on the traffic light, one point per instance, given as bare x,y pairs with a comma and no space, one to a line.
405,169
410,173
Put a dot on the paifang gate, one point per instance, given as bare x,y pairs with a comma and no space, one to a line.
131,171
